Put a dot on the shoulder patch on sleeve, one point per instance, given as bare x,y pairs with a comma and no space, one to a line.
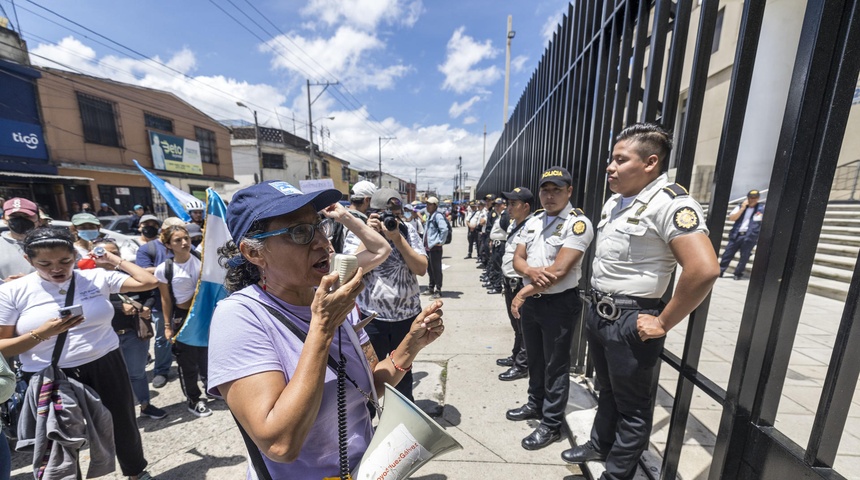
686,219
577,212
538,212
579,227
675,190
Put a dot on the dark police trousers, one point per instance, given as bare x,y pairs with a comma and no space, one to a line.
744,243
518,353
548,322
625,368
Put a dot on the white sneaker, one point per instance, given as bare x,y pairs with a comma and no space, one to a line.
199,409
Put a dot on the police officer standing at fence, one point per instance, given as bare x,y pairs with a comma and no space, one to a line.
549,258
645,229
498,235
520,201
744,234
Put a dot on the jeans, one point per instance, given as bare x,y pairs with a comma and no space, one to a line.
134,350
163,352
5,459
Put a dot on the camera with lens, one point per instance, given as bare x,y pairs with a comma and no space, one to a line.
389,220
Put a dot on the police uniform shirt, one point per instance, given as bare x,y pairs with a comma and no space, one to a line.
632,255
497,232
510,248
543,240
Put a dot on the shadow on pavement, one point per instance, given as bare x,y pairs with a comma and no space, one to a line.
451,415
177,414
196,470
435,476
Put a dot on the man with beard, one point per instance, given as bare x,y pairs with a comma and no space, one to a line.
21,216
150,255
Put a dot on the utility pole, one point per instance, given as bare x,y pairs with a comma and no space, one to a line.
380,156
416,177
511,35
311,161
460,179
484,160
256,138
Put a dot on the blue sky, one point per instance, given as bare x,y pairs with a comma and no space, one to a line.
430,73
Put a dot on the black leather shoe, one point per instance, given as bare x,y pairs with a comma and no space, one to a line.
583,453
480,265
513,373
467,257
541,437
737,277
487,284
494,291
526,412
505,362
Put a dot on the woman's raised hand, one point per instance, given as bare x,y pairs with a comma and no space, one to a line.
428,325
330,307
336,212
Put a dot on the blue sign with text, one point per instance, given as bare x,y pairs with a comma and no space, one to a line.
19,139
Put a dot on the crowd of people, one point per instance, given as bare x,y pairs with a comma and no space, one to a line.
283,343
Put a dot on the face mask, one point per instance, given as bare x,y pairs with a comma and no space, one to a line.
407,216
149,231
20,225
88,235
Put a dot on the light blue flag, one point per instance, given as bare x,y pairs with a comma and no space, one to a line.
174,197
210,286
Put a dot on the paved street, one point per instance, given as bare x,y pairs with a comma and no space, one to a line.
457,372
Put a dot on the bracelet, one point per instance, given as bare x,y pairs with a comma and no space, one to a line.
35,336
118,264
396,366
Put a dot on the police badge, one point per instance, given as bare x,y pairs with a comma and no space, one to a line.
579,228
685,219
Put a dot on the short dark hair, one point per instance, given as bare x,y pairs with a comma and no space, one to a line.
651,139
44,238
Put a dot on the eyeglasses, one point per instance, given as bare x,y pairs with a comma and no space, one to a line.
301,234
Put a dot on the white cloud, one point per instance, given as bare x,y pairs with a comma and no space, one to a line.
518,62
343,56
364,14
460,67
458,109
434,148
551,25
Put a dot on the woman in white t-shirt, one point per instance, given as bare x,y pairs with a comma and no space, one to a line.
177,282
29,324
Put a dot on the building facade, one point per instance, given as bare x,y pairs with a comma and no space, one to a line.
96,128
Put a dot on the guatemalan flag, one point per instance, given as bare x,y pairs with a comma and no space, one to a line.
210,286
174,197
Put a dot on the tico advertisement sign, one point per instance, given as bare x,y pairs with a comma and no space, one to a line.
175,154
19,139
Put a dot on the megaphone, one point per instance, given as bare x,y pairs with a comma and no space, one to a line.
405,439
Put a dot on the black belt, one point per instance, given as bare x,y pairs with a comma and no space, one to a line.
124,330
609,306
741,234
539,295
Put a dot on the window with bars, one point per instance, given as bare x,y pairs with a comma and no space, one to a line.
273,160
326,172
158,123
208,149
99,120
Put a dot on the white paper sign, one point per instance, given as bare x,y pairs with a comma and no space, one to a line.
308,186
394,457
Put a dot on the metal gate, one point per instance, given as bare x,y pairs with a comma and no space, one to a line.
612,63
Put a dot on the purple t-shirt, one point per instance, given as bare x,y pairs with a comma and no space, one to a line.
245,340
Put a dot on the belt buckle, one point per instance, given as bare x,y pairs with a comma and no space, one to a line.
607,309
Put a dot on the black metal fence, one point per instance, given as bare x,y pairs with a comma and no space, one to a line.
612,63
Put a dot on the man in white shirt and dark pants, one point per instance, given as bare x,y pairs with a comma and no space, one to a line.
744,234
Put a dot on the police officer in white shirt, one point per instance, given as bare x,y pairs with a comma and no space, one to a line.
472,222
645,229
520,201
549,258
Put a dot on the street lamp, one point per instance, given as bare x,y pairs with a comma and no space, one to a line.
379,183
256,138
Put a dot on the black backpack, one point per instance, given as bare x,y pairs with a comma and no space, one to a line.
450,230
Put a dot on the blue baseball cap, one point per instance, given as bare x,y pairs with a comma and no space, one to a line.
271,199
138,207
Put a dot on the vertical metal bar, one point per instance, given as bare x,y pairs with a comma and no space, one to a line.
655,62
797,197
675,67
696,92
639,45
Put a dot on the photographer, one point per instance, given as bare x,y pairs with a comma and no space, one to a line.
391,289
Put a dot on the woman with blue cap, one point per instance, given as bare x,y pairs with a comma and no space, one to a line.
272,339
